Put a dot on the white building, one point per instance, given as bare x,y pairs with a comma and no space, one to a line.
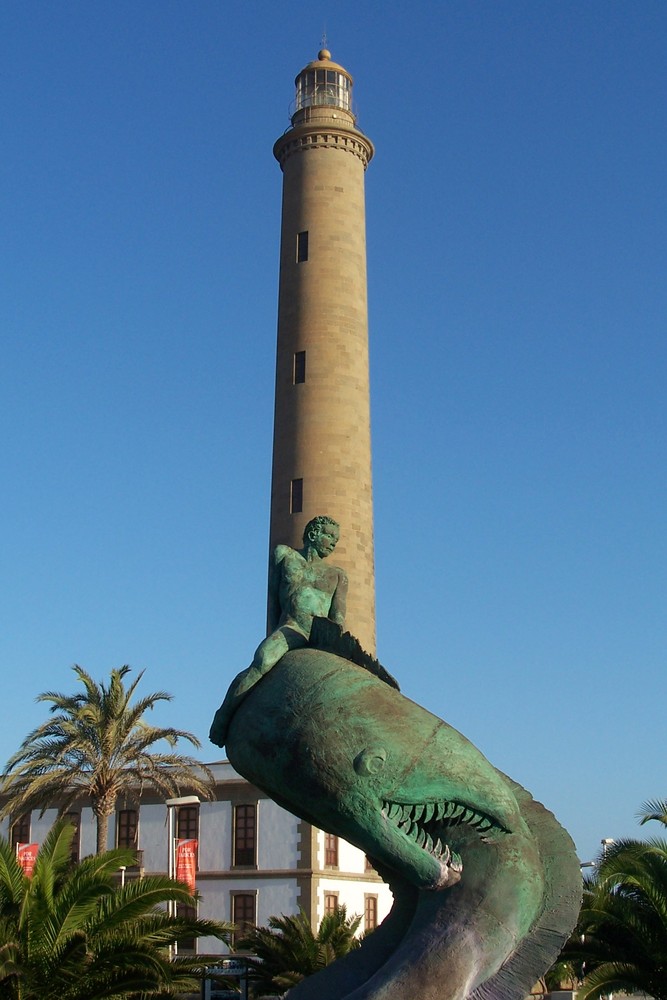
254,859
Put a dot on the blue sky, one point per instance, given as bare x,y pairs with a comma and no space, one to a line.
517,243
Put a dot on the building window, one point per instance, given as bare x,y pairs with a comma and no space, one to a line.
370,912
299,373
296,496
187,823
301,247
186,944
243,913
21,830
75,819
126,828
330,851
245,836
330,903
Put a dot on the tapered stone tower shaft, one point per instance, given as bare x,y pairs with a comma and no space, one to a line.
321,445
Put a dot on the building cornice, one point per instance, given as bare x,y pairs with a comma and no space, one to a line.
257,874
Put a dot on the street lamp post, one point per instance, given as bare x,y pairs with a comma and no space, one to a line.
606,844
172,805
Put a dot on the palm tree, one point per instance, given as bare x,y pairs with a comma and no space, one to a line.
70,932
621,936
99,745
288,950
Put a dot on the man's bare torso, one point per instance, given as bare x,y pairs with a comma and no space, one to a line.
305,589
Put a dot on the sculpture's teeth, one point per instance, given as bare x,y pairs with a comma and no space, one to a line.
413,818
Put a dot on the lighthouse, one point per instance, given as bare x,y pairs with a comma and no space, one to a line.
322,440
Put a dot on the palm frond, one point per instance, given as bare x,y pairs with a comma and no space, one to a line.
654,809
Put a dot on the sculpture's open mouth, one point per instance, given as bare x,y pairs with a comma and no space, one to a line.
428,825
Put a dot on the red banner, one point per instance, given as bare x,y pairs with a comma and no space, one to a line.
186,862
26,855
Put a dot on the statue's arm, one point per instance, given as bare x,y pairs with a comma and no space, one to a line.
339,600
275,572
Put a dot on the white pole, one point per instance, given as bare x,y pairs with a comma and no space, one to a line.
172,804
170,839
170,865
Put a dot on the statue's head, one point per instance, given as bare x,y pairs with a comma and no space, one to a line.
322,532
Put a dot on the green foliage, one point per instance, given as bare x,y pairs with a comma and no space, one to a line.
654,809
620,942
70,932
561,976
98,744
288,950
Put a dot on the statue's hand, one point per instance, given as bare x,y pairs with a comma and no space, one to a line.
219,727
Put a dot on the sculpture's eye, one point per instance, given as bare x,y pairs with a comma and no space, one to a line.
370,761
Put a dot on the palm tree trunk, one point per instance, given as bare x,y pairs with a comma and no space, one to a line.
102,832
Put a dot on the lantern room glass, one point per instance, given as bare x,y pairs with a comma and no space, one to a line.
323,87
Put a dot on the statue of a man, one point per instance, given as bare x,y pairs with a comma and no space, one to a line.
301,587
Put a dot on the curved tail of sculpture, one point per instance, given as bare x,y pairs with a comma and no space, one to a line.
561,902
423,950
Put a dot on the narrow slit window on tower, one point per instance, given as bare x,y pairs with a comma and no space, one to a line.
296,497
302,247
299,374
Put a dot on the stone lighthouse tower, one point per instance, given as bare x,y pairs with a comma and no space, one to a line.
321,444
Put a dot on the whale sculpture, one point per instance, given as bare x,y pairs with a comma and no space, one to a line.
486,883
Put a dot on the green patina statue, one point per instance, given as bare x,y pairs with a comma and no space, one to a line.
486,883
301,588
